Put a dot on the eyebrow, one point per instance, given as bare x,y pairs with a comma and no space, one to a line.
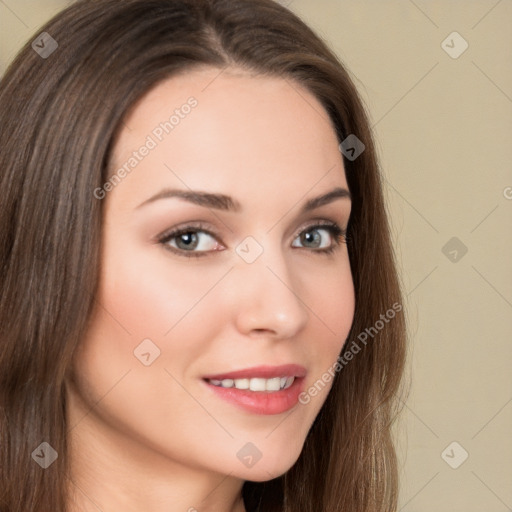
227,203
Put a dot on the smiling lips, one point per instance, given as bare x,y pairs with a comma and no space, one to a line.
262,389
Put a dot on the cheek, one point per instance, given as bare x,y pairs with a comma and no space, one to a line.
336,301
152,296
150,317
330,298
168,314
331,301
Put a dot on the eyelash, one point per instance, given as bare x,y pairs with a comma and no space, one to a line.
337,233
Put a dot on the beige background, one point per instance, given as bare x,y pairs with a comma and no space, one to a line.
444,131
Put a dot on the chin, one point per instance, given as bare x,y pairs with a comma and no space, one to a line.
268,468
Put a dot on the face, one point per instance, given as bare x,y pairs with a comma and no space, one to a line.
216,273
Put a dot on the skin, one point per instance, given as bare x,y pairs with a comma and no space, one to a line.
155,437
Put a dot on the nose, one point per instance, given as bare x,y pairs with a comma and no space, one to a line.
267,298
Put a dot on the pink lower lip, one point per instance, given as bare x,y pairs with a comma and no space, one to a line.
261,402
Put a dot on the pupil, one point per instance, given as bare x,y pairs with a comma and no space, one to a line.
188,240
313,237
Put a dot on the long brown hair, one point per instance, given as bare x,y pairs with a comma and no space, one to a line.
60,114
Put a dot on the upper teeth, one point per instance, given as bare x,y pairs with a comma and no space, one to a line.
255,384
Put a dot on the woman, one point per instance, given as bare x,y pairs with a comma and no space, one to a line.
200,307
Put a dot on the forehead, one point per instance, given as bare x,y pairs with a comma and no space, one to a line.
228,130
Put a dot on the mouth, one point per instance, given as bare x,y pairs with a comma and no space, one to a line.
260,390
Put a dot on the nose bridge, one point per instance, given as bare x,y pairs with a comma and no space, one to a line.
267,298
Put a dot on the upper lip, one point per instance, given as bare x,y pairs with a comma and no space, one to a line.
264,372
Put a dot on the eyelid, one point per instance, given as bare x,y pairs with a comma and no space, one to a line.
186,226
317,223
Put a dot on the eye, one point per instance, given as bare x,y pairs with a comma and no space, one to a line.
323,238
194,240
